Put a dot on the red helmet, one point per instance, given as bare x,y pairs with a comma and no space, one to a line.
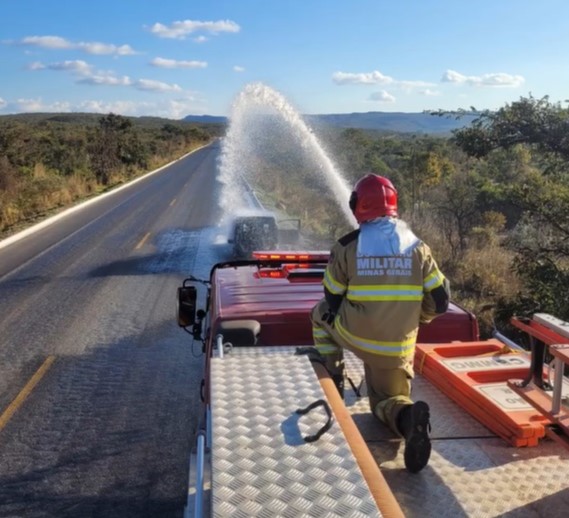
373,196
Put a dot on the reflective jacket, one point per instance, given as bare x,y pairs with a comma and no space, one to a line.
385,276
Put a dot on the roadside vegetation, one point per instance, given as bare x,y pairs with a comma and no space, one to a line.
492,199
50,161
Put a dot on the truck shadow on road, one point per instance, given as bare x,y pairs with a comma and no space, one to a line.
106,432
179,251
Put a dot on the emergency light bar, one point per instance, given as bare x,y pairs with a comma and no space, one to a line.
290,270
271,274
291,256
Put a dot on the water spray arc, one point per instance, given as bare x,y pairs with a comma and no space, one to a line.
255,101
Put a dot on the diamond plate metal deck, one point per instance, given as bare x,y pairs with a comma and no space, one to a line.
448,421
261,465
471,473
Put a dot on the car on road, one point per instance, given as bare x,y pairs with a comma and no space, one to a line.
262,231
250,233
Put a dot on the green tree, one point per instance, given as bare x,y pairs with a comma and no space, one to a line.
456,210
109,144
539,130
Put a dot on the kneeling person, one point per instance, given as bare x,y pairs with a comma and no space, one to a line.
380,283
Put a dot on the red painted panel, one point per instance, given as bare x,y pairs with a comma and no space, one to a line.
283,308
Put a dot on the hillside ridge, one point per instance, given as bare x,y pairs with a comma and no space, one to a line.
398,122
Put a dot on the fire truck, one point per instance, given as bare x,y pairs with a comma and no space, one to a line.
276,438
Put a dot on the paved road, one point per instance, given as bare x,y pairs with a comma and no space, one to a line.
99,388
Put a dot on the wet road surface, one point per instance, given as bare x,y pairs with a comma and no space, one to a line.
99,388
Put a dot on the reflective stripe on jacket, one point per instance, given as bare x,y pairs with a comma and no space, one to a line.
383,295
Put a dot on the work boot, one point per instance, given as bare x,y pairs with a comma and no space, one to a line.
414,425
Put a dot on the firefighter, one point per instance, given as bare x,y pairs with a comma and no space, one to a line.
380,283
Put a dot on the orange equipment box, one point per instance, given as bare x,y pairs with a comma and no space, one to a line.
475,375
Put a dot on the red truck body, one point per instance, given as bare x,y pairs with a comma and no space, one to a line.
281,299
262,306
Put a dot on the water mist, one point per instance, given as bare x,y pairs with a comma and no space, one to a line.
255,107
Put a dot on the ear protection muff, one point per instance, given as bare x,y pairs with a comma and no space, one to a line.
353,201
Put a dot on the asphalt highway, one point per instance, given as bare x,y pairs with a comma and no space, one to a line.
99,388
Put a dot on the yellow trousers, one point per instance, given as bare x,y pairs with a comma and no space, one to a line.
388,379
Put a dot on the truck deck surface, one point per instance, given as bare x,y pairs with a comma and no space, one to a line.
472,472
255,461
261,465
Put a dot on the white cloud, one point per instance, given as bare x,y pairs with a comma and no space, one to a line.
58,43
493,80
37,105
47,42
366,78
409,85
237,68
179,108
150,85
200,39
429,93
119,107
36,65
101,78
180,29
106,80
376,78
382,96
104,49
172,63
168,108
30,105
77,66
171,108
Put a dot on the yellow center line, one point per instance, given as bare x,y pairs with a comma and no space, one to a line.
25,392
142,241
172,202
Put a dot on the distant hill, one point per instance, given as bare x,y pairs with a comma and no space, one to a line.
398,122
92,119
215,119
393,121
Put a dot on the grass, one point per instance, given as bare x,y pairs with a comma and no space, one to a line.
43,192
480,276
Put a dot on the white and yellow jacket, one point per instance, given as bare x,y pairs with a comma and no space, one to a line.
382,281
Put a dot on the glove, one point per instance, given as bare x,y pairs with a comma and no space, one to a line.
328,317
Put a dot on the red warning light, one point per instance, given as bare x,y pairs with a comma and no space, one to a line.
291,256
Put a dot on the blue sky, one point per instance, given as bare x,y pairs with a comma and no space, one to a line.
171,58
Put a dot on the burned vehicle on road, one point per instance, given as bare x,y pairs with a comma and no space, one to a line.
261,232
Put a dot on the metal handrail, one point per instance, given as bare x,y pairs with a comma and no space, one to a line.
219,345
198,503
